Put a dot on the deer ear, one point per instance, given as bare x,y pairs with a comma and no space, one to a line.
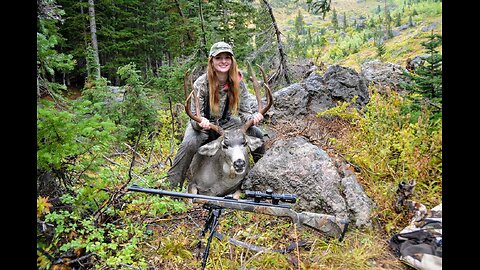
253,142
211,148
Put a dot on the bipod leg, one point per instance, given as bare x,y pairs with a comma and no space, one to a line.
210,224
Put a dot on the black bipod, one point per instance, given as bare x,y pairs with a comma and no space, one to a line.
214,213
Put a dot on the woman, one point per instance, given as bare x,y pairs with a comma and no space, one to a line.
224,100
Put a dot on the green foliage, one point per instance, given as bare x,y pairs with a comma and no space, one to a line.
134,110
169,84
113,245
427,78
398,19
336,53
71,140
389,148
319,6
49,60
388,24
349,44
138,112
155,206
334,20
380,46
299,24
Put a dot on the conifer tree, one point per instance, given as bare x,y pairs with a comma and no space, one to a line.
334,21
388,24
319,6
398,19
427,78
380,46
49,60
299,24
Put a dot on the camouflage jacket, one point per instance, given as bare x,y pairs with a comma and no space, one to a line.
200,86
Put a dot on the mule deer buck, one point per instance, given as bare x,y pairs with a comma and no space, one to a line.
219,167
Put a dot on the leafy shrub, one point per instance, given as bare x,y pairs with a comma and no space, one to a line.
389,148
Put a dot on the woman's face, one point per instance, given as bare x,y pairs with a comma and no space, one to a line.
222,62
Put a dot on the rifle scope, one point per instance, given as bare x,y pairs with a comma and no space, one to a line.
259,196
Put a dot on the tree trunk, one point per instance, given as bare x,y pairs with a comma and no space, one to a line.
204,36
87,61
93,31
189,34
282,69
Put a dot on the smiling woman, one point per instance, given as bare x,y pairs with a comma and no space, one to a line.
221,102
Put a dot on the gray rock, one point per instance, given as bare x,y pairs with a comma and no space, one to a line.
298,167
318,93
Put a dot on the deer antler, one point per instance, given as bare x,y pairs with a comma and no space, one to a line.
256,87
196,117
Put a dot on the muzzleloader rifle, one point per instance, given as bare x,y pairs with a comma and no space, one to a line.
329,225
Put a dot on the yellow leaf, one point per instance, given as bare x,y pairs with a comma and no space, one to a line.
43,206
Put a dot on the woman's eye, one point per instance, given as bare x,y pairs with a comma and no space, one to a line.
219,58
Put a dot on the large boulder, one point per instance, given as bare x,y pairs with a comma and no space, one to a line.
296,166
318,93
385,75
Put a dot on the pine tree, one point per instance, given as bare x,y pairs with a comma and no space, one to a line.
50,61
388,24
398,18
380,46
334,21
319,6
427,79
299,24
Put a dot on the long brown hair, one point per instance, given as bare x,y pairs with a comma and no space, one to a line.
233,81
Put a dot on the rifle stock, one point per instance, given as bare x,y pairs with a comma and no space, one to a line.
327,224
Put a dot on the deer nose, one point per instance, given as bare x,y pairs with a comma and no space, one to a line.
239,164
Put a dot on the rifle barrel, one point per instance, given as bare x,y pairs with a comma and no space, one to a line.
203,198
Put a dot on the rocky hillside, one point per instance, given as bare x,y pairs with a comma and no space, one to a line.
357,43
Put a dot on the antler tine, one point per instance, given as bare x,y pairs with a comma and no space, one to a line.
186,77
268,92
256,87
195,116
187,107
185,84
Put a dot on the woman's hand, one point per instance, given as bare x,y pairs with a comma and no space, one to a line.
205,124
257,117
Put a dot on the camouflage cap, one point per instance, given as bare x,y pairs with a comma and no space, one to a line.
220,47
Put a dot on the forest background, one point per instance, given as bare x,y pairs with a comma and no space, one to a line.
109,114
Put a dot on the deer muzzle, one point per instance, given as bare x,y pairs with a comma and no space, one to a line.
239,165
